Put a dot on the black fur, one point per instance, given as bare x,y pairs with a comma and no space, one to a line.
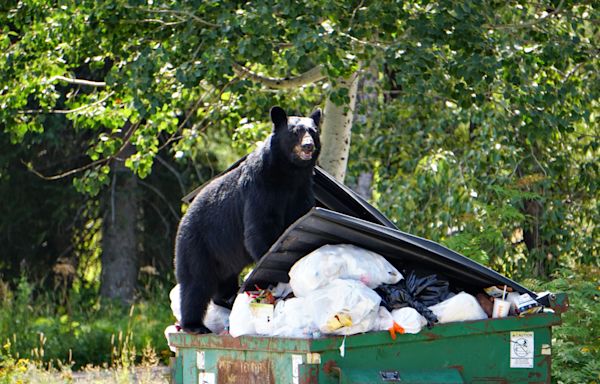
235,218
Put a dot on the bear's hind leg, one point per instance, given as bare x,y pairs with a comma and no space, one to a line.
195,297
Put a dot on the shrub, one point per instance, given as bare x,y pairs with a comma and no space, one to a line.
87,331
576,343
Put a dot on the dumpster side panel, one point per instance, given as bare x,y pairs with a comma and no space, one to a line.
496,357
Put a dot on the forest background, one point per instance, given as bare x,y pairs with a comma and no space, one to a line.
470,123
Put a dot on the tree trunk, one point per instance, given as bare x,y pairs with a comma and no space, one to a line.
336,132
119,237
367,98
531,236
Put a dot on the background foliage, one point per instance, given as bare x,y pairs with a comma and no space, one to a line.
576,348
476,126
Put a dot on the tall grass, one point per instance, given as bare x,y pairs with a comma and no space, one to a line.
35,330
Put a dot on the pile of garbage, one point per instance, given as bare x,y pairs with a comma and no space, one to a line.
345,290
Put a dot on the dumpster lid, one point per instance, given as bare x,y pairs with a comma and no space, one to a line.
406,252
333,195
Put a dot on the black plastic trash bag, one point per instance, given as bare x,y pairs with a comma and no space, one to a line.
416,292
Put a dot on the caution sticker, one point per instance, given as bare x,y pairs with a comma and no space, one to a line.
521,349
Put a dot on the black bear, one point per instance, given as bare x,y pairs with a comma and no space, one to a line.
236,217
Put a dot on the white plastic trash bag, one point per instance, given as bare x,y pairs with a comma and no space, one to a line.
384,321
175,297
461,307
343,307
281,290
171,329
343,261
217,318
290,319
409,319
241,321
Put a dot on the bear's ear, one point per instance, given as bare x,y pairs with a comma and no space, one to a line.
278,117
316,116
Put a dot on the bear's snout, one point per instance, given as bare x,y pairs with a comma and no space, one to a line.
307,147
304,150
308,144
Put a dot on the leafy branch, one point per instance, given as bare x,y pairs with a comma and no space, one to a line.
67,111
311,76
78,81
179,14
114,156
527,24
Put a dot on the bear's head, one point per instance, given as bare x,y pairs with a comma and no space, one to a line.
297,138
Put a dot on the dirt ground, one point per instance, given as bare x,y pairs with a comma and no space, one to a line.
138,375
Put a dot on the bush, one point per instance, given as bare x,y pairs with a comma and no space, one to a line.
576,343
86,331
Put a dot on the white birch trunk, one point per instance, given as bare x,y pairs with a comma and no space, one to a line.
336,131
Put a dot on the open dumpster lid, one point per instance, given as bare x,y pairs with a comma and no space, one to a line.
406,252
335,196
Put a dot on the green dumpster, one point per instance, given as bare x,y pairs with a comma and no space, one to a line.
508,350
